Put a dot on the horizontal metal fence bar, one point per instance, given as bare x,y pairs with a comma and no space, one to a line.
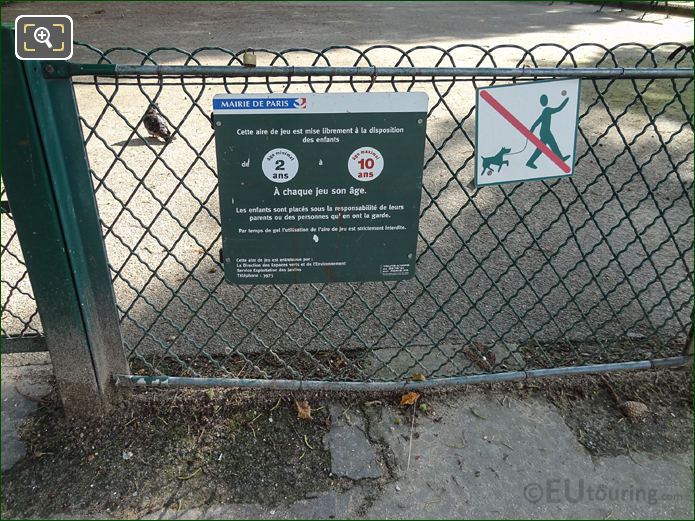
80,69
24,344
319,385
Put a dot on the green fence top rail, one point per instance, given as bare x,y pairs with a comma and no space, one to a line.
70,69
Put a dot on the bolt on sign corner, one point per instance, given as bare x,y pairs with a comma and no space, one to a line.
319,187
526,131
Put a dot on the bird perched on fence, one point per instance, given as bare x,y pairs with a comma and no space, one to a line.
155,124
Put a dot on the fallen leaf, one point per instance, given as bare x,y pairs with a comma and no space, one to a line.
303,410
410,398
418,377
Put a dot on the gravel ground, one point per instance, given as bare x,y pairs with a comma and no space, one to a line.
606,255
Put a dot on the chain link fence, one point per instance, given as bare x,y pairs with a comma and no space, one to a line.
20,318
568,272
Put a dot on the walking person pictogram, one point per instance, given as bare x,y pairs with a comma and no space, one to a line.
542,113
546,134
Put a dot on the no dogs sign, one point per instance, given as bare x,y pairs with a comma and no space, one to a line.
526,131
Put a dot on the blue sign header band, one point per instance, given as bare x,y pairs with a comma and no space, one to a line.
258,103
319,103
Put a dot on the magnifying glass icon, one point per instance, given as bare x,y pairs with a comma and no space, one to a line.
42,35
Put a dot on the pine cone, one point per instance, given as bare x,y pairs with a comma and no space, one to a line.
635,411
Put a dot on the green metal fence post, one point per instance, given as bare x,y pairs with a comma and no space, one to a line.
48,183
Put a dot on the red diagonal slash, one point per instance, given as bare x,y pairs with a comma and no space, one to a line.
524,131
